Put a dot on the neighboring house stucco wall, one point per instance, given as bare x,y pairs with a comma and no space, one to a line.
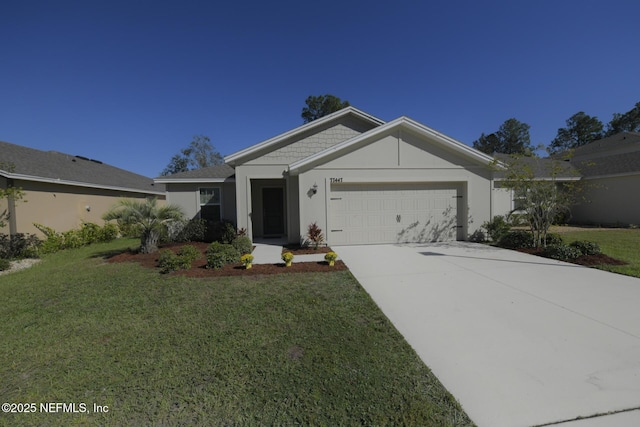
4,206
64,207
609,201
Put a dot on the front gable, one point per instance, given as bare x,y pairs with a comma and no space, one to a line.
401,144
306,140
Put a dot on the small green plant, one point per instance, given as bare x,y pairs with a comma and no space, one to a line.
168,261
221,254
228,234
194,230
561,252
314,235
497,228
189,253
553,239
516,239
586,248
18,246
5,264
243,245
287,257
89,233
331,257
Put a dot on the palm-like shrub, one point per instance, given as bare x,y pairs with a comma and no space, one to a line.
151,219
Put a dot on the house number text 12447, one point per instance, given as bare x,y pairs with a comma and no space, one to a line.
334,180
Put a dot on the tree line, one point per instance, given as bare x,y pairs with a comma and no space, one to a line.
513,136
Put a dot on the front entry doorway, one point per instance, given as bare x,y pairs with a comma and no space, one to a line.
273,211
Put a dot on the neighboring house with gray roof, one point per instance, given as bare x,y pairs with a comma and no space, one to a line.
611,169
62,191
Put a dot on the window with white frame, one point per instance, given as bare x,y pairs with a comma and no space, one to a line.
211,203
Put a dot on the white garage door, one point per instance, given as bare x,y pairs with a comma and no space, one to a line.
393,213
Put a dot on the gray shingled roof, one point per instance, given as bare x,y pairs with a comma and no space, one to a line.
542,167
609,165
624,142
222,171
52,165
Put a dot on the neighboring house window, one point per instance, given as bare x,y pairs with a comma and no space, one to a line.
210,204
519,201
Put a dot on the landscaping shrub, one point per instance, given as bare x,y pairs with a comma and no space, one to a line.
168,261
228,232
497,228
586,248
561,252
478,236
108,232
189,253
554,239
4,264
221,254
516,239
194,230
243,245
314,235
89,233
18,246
220,231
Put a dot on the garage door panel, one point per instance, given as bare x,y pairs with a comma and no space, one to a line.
393,213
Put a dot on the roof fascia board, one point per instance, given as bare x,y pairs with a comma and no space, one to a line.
399,122
192,180
546,178
76,183
613,175
232,159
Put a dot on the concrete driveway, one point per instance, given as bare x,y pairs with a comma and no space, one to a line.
519,340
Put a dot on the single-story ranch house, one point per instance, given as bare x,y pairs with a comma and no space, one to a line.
62,191
364,181
360,179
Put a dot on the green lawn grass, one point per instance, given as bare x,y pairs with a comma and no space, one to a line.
622,244
290,349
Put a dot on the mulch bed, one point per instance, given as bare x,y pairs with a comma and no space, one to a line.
198,267
586,260
305,250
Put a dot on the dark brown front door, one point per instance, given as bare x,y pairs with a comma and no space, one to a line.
272,211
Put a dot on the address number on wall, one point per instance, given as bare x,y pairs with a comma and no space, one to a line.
335,180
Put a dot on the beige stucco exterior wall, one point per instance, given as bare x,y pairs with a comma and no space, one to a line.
64,207
188,197
4,205
609,201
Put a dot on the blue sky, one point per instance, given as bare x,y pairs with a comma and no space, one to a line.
131,82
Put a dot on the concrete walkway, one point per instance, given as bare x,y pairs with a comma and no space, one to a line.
269,251
518,340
